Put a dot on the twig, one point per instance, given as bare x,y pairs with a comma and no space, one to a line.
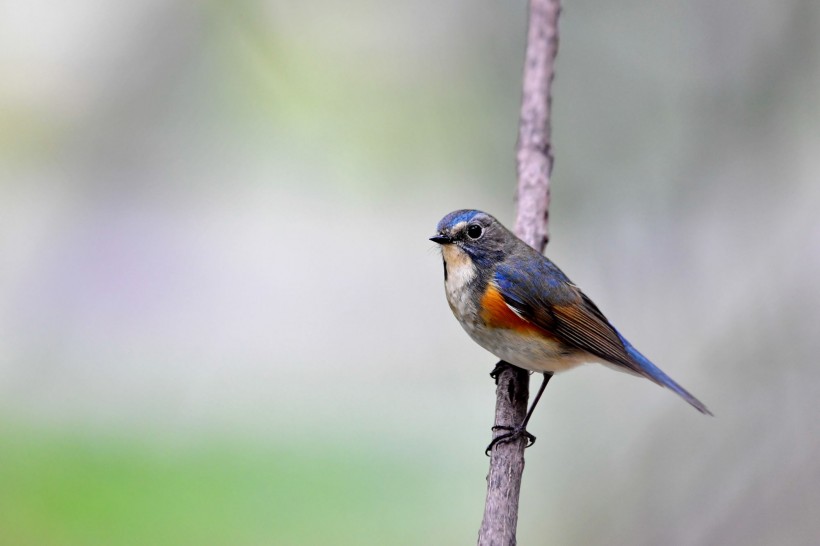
534,156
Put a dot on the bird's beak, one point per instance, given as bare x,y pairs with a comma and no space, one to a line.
441,239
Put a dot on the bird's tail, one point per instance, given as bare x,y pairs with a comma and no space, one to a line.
654,373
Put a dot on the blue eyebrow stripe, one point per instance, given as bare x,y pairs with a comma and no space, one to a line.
463,216
455,217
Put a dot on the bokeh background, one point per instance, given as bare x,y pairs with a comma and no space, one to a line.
221,321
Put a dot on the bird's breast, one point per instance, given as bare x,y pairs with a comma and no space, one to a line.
493,325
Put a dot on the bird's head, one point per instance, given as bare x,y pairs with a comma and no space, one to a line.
474,233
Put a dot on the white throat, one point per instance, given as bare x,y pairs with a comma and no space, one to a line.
460,271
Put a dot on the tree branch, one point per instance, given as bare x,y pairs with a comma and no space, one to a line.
534,157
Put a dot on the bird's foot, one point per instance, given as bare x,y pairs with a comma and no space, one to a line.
499,367
513,434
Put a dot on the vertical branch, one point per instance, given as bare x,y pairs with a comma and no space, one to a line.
534,153
534,158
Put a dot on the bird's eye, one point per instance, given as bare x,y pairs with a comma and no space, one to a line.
474,231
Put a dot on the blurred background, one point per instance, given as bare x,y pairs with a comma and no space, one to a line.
221,321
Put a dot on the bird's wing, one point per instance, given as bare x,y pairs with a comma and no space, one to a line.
541,294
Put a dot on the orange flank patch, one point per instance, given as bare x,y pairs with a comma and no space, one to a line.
496,313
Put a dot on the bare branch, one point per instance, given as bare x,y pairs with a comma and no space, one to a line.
534,156
534,152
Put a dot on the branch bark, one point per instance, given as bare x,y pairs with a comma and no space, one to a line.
534,158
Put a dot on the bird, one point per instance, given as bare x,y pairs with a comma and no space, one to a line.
518,305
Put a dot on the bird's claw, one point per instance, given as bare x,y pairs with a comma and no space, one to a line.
513,434
499,367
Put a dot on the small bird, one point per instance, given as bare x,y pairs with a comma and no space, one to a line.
518,305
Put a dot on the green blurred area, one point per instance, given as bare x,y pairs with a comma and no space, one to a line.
70,489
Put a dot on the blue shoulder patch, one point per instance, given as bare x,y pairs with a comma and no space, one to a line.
536,282
541,270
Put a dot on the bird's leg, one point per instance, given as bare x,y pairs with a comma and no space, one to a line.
521,430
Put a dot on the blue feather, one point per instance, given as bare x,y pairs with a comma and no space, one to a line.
658,376
464,215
